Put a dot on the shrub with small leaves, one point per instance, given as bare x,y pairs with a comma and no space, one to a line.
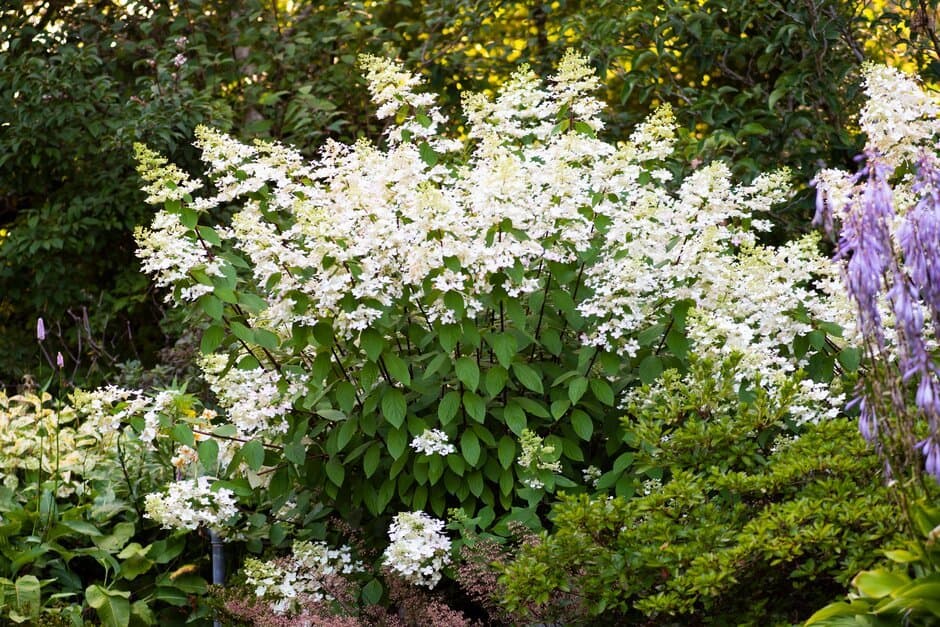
748,511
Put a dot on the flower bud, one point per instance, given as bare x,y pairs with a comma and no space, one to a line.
40,329
59,360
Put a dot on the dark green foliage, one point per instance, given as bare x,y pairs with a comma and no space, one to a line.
747,525
767,83
761,83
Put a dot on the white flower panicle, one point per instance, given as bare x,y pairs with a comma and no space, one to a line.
306,575
170,254
165,181
535,456
433,442
257,400
190,504
899,117
419,550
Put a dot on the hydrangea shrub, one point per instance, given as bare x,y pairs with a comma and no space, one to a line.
450,319
519,277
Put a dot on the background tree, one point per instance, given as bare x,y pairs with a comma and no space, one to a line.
766,82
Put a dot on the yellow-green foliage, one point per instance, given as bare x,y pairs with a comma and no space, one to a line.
34,430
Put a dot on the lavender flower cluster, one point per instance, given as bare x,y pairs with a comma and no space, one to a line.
889,253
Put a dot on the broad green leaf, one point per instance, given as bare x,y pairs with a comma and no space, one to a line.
456,464
901,556
252,302
468,372
602,391
878,583
253,454
582,424
82,527
839,609
623,461
428,155
120,534
372,343
678,343
397,441
242,332
323,334
346,433
470,447
296,453
142,613
528,376
650,368
211,339
475,483
345,394
397,368
515,419
559,407
576,389
504,347
370,461
333,415
267,339
372,592
335,471
112,606
394,407
209,235
208,454
183,434
495,380
448,407
850,358
448,335
475,406
135,565
213,307
506,451
436,468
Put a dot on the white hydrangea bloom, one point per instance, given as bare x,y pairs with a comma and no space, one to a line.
165,182
433,442
191,503
899,117
170,254
306,575
257,400
419,550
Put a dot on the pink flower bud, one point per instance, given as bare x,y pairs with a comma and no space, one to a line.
40,329
59,360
